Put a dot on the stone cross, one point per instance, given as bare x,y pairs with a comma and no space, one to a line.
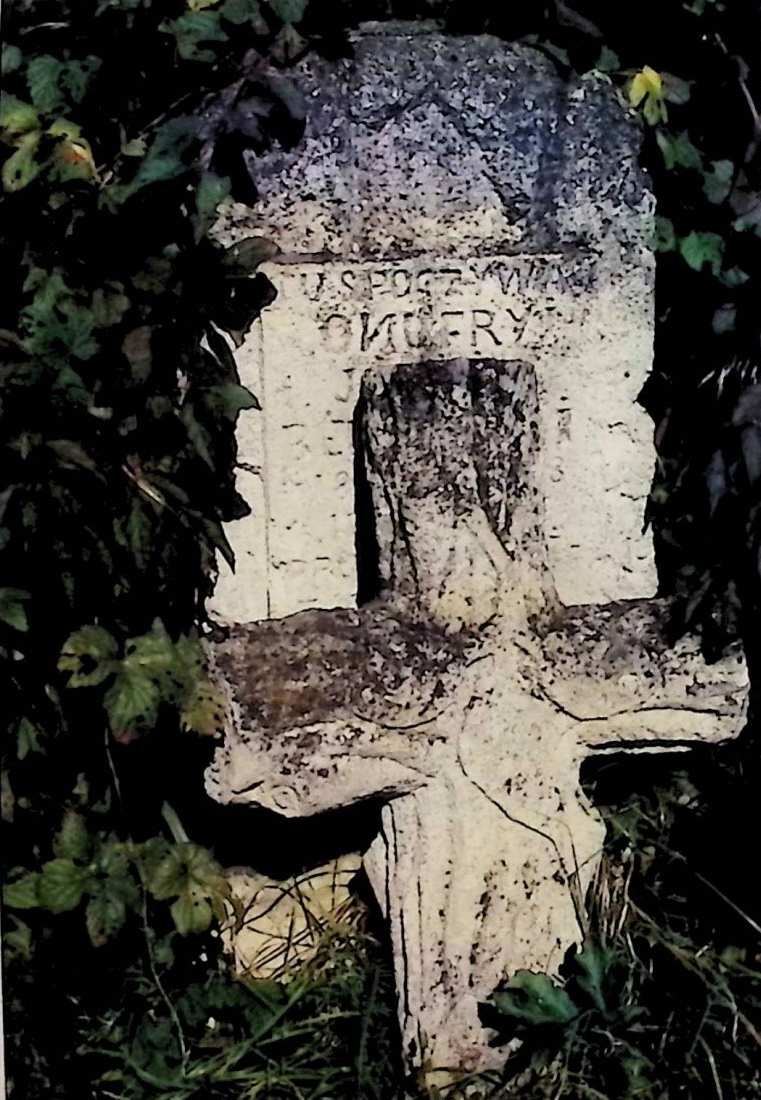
465,697
453,197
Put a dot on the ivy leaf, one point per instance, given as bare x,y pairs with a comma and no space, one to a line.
608,61
22,893
198,436
244,257
678,149
12,610
89,654
43,75
62,885
165,160
229,399
193,29
535,1000
290,11
22,167
718,182
73,840
699,249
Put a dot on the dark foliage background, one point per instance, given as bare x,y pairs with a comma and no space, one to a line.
125,123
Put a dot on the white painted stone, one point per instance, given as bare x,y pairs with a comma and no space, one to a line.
466,699
452,198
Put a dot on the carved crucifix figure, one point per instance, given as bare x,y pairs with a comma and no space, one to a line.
465,697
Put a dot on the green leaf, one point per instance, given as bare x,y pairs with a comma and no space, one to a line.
77,75
90,655
734,276
17,118
212,190
718,182
27,739
43,75
229,399
608,61
534,999
678,149
22,893
11,59
198,436
73,840
22,167
193,29
290,11
191,915
62,885
675,90
12,610
244,11
591,969
699,249
17,941
132,702
205,710
104,918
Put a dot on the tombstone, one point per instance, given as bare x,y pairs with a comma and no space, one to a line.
511,634
453,197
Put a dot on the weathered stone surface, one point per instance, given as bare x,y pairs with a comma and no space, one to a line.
283,924
453,198
466,698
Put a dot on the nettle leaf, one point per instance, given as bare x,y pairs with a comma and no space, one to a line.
290,11
12,610
718,182
699,249
535,1000
678,149
62,885
22,893
90,655
192,30
73,840
43,75
104,917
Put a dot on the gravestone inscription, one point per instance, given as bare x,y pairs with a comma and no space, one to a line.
452,198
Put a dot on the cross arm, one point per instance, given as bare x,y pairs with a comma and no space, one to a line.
613,668
330,708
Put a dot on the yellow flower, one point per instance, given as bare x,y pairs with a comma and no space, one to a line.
646,91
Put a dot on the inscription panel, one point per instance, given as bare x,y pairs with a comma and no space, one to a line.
588,335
